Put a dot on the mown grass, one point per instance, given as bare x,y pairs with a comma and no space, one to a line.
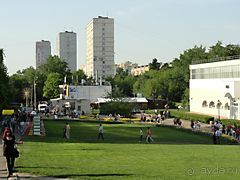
174,154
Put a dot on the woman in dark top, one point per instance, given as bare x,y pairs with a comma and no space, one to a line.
9,150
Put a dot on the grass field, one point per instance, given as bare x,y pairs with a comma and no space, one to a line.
174,154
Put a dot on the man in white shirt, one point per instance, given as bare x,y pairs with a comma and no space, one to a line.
100,132
218,134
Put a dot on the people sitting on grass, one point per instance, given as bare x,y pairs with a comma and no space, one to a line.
177,122
192,124
197,125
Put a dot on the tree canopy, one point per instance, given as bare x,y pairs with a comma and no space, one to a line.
4,85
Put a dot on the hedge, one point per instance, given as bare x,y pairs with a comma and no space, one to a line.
191,116
231,121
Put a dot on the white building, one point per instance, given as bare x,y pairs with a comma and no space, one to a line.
43,51
67,48
81,97
214,87
100,48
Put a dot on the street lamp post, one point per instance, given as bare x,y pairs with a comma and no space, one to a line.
35,95
26,95
218,106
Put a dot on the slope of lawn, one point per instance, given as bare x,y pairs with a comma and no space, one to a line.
174,154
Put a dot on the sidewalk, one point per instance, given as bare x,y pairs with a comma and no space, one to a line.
187,125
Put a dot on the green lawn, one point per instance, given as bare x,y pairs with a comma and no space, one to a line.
175,154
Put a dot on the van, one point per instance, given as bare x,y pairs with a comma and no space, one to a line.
42,107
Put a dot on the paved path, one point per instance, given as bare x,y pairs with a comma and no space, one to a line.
187,125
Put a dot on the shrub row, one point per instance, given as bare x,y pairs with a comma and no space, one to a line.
191,116
234,122
116,107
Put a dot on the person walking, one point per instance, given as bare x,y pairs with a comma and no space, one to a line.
67,131
9,150
149,135
141,135
100,132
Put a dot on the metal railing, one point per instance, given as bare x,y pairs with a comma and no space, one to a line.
217,59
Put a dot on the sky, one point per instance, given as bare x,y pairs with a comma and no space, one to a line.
144,29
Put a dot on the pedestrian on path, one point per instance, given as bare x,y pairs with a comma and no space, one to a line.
9,151
100,132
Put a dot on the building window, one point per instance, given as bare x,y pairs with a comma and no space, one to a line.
211,104
226,107
204,104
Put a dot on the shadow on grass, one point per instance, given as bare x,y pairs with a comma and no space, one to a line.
91,175
37,167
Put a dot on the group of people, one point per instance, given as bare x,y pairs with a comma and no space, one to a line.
177,122
218,129
157,117
195,124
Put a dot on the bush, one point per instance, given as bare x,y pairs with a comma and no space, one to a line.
117,107
191,116
231,121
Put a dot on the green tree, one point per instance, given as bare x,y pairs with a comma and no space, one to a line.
155,65
51,89
4,79
217,50
17,83
78,76
54,65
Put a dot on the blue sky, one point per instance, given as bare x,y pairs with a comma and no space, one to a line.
144,29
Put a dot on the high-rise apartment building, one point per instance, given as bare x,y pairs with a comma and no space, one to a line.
100,48
67,48
43,51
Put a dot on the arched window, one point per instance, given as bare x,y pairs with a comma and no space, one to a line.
211,104
219,104
226,107
204,104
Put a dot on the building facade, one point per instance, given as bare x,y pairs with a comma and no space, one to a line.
127,66
100,48
43,51
139,70
67,48
80,97
214,88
